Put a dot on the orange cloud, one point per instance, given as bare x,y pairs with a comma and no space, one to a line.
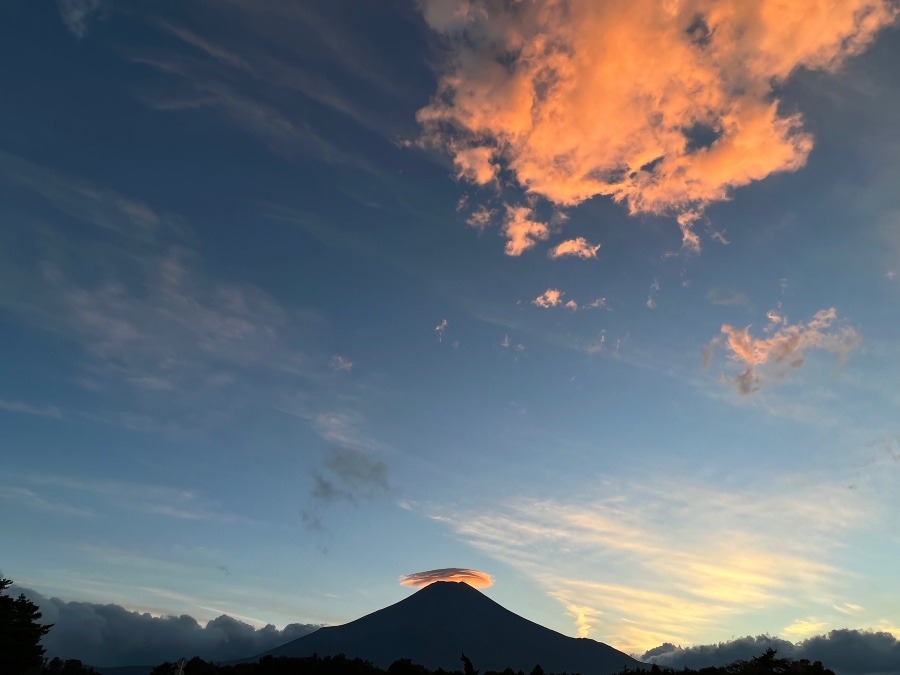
786,347
664,106
480,218
549,298
522,230
474,578
578,247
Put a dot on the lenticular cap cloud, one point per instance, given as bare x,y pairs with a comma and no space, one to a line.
475,578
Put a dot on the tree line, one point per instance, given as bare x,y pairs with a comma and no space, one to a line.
767,663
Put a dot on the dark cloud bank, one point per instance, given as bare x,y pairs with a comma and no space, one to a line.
845,651
110,635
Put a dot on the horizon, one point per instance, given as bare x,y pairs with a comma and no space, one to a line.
596,301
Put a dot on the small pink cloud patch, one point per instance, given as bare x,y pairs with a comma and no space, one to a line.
474,578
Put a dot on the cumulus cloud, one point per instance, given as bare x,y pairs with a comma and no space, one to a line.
785,348
549,298
578,247
665,107
846,651
110,635
522,230
474,578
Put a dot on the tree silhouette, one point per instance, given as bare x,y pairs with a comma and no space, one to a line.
20,633
468,668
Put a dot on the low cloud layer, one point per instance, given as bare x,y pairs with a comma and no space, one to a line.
474,578
784,349
110,635
846,651
666,107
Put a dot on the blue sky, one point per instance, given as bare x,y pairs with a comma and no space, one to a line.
256,361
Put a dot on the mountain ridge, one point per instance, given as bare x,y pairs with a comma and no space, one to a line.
436,624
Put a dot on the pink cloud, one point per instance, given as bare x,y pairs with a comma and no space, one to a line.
475,578
578,247
480,218
549,298
521,230
475,165
786,347
665,107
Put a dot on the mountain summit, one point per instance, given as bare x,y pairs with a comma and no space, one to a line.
438,623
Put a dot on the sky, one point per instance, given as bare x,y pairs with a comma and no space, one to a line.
597,299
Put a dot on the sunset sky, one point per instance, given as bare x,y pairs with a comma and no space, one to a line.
600,298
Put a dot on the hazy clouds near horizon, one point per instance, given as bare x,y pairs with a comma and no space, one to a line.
845,651
110,635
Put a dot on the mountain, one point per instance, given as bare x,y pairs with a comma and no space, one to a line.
438,623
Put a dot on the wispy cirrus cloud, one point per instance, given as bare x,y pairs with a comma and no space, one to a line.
28,409
785,348
54,492
643,561
77,14
666,108
103,208
32,500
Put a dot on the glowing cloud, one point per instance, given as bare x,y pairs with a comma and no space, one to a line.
480,218
549,298
522,230
577,247
475,578
785,348
666,107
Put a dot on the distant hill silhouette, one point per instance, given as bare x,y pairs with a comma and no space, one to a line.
435,625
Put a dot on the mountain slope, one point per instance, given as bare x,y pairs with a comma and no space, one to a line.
436,624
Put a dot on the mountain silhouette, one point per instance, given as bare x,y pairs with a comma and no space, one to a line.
438,623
